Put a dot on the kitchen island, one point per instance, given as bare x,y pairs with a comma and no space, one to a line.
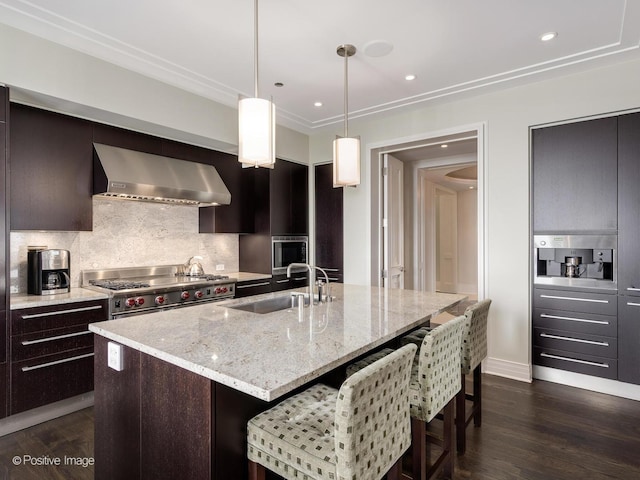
190,378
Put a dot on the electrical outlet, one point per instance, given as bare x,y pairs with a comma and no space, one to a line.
114,356
220,267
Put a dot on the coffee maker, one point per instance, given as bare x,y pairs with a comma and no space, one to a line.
48,271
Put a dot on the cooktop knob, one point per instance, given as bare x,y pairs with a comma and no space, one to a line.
160,300
130,302
199,294
185,295
139,301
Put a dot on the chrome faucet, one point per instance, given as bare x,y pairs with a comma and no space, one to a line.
308,267
311,269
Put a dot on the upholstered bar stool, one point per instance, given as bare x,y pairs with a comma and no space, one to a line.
474,350
356,433
435,380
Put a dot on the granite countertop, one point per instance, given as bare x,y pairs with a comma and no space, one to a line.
248,276
269,355
23,300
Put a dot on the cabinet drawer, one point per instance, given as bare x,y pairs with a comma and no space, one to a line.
49,342
576,322
246,289
49,379
596,345
576,362
574,301
30,320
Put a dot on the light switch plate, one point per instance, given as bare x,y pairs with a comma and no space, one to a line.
115,356
220,267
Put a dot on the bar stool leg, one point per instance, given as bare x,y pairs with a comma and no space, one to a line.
477,396
461,417
447,440
256,471
395,472
418,449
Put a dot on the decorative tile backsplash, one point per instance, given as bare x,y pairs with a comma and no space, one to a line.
129,234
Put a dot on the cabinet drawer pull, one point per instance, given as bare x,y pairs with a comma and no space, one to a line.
61,312
631,304
332,269
592,300
575,360
631,289
333,279
282,281
57,362
584,320
300,279
253,285
51,339
577,340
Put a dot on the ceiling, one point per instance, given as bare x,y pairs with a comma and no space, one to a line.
454,48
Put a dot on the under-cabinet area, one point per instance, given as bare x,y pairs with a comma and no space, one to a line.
586,260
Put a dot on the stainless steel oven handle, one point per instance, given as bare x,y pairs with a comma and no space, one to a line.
558,297
583,320
571,339
57,362
51,339
575,360
631,289
253,285
62,312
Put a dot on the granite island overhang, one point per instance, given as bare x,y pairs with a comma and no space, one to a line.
203,371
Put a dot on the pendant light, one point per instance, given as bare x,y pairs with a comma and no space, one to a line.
256,120
346,150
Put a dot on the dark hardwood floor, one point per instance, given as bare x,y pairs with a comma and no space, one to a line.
539,431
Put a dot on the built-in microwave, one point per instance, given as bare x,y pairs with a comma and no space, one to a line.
286,250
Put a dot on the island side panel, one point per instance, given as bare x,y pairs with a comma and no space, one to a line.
117,415
176,407
233,409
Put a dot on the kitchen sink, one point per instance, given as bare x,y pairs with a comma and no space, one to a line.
269,305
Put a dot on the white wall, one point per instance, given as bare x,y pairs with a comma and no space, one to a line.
508,116
55,77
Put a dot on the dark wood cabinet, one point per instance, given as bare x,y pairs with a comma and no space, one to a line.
4,254
629,339
52,353
288,199
280,202
253,287
51,171
576,331
123,138
575,177
629,204
297,280
329,228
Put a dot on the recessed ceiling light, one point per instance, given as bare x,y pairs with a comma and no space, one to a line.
444,145
410,77
317,104
472,187
548,36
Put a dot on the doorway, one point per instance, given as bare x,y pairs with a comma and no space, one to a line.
443,212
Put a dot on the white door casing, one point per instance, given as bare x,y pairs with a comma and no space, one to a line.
393,222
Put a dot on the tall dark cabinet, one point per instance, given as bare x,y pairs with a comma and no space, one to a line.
574,177
281,203
4,232
629,248
329,228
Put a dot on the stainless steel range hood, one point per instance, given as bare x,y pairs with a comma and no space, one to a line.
131,175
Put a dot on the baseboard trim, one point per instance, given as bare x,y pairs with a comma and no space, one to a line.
507,369
43,414
587,382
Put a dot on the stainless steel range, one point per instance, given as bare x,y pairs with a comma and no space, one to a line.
139,290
